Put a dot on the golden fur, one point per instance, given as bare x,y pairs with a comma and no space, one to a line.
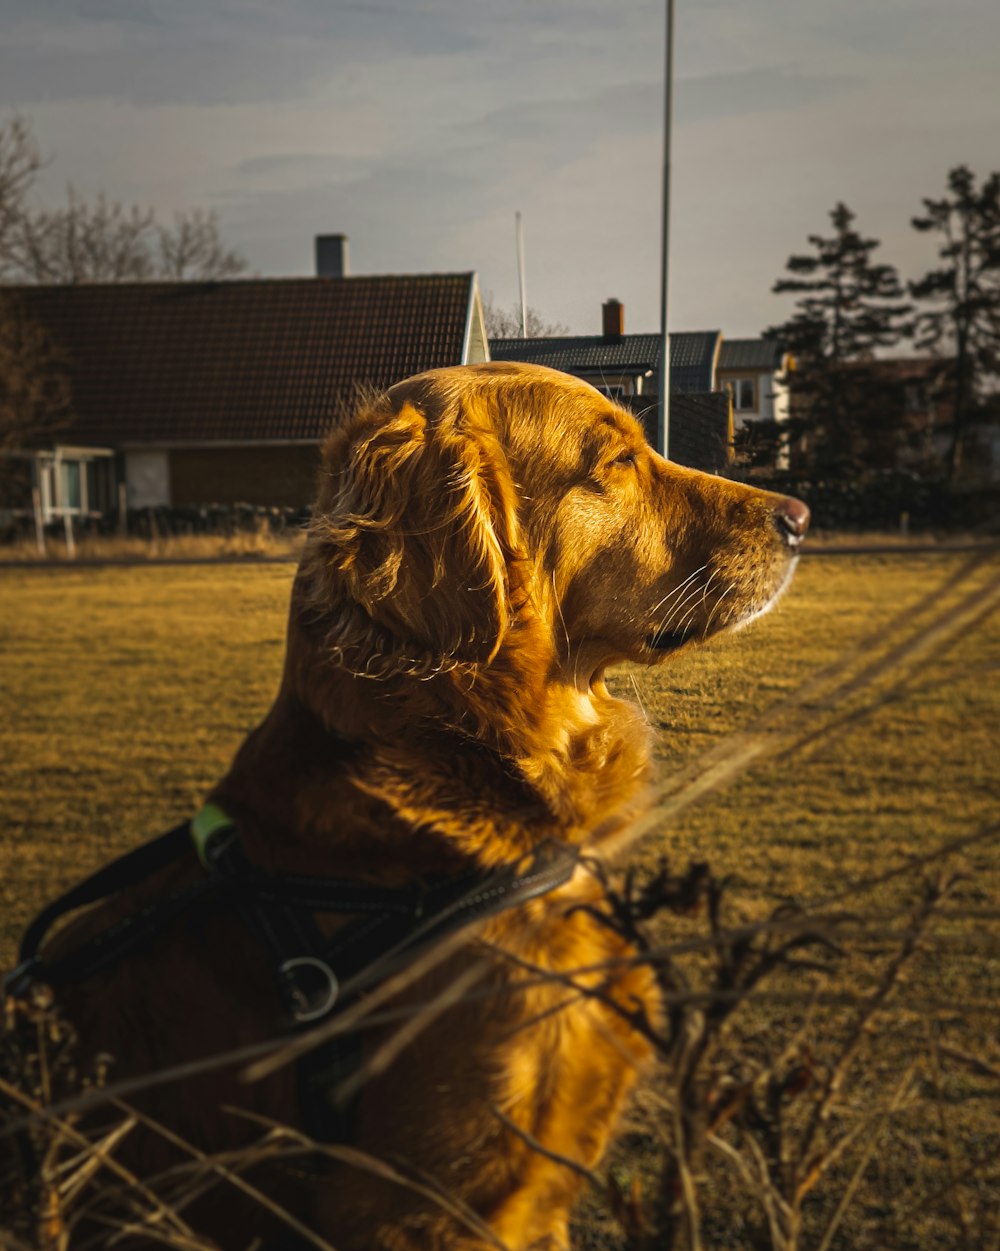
486,542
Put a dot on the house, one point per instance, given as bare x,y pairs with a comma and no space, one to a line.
909,423
222,392
753,371
626,368
923,389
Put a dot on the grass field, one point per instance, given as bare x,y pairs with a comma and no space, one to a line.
124,692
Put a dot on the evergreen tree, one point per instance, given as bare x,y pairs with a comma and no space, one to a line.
846,413
961,298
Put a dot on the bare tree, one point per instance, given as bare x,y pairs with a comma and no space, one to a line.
192,248
96,241
20,161
34,388
503,323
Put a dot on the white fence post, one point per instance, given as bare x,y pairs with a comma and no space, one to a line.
36,505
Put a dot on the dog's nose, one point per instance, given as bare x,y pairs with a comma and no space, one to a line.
792,517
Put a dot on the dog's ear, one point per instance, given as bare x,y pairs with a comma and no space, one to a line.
417,528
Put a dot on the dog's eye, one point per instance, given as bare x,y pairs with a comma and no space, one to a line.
625,459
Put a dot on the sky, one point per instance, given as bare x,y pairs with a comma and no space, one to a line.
420,127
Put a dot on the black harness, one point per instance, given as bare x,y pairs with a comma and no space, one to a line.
316,976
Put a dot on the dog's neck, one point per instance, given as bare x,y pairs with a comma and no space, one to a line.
560,761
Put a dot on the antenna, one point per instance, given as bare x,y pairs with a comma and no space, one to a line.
519,236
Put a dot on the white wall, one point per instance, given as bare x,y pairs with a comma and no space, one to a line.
147,477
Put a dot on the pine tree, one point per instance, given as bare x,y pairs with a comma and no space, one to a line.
961,298
847,414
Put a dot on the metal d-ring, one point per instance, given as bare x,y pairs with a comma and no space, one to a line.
329,992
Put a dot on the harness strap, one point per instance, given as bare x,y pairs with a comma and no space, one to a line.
314,974
447,908
393,923
133,867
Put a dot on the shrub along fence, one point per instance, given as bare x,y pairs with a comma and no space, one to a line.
168,522
891,501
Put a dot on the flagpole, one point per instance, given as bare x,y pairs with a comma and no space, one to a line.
519,237
663,416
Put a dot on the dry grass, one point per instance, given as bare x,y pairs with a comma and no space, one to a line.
124,692
256,543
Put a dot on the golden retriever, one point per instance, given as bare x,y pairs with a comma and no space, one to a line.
487,541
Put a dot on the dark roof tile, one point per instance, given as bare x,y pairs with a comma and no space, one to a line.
692,356
750,354
251,359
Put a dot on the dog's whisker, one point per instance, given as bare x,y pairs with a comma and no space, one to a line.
669,623
691,595
638,696
718,604
677,590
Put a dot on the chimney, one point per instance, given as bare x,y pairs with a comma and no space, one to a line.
331,256
613,319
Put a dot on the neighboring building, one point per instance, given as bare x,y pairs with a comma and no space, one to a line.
626,367
197,393
927,421
694,362
701,431
753,371
917,426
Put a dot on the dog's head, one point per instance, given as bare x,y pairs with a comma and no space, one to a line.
471,507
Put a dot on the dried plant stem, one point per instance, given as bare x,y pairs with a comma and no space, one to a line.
64,1128
816,1164
564,1161
899,1094
215,1165
354,1158
954,1188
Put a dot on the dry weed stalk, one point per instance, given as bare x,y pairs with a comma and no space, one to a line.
55,1170
782,1116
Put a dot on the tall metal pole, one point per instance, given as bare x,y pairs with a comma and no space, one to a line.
519,234
663,416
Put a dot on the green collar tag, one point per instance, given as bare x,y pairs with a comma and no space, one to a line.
211,820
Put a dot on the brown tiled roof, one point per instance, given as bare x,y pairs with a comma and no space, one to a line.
245,360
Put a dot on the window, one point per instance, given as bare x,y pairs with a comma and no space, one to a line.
69,484
915,397
744,394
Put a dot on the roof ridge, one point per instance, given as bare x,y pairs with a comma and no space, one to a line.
160,284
